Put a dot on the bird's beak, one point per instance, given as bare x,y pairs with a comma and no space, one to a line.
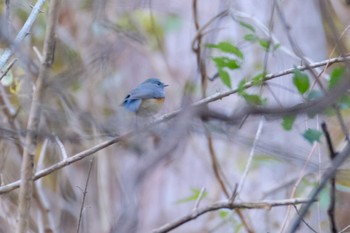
165,85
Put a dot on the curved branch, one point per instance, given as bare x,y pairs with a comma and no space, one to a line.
230,205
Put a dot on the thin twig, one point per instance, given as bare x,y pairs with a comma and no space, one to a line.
215,164
306,224
216,169
251,155
345,229
198,51
332,155
22,33
199,199
64,153
229,205
85,193
40,196
3,73
295,186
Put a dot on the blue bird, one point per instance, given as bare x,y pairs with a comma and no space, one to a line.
146,99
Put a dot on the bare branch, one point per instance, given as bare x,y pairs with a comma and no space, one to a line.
23,32
27,167
251,155
332,155
229,205
84,194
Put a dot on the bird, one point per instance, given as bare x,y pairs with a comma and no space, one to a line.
146,99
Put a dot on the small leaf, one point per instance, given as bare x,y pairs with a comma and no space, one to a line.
336,75
288,122
254,99
193,197
258,80
265,44
251,37
344,102
222,62
247,25
223,214
301,81
241,87
227,48
276,46
312,135
225,77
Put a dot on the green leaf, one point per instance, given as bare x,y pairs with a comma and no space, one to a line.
251,37
301,81
288,122
258,79
254,99
225,77
227,47
312,135
265,44
344,102
193,197
223,213
241,87
336,75
276,46
247,26
222,62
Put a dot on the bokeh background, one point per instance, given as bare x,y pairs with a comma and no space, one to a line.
104,49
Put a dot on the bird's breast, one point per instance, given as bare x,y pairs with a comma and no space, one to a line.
150,107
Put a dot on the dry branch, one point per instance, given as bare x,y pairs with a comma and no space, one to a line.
229,205
27,167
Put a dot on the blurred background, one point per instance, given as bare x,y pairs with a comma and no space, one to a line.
104,49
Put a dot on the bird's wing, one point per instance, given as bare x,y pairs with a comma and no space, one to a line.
132,104
145,92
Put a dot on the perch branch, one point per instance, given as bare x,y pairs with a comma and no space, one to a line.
81,155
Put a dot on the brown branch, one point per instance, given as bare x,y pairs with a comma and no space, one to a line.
332,155
215,165
27,167
232,206
198,51
77,157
